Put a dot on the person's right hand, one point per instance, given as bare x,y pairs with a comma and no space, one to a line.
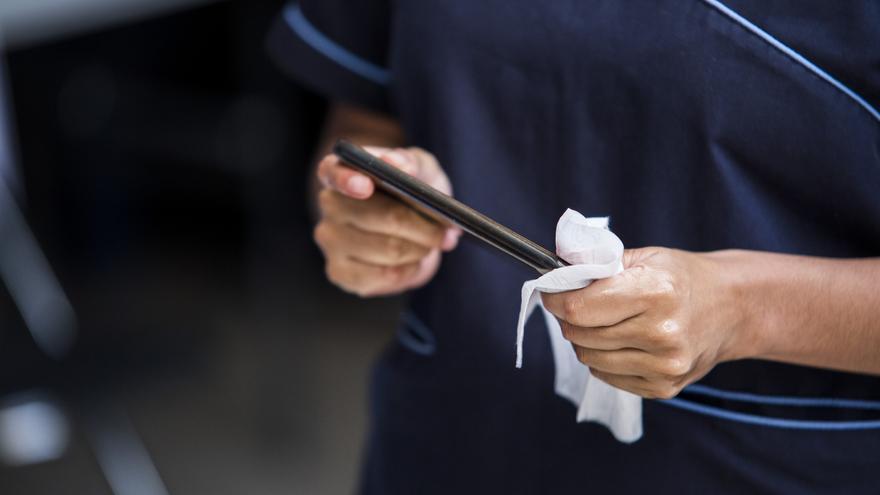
373,244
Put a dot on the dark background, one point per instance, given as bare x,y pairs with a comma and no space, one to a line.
165,162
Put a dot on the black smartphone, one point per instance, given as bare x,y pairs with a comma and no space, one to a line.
446,209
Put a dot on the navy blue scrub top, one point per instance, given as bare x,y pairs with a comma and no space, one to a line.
698,125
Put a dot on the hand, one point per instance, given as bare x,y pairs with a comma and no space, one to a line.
373,244
659,325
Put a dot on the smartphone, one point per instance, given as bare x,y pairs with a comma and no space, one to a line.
445,209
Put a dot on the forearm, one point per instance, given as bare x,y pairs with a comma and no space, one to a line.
806,310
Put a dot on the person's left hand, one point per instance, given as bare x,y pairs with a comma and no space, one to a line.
659,325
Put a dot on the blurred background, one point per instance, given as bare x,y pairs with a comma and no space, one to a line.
164,323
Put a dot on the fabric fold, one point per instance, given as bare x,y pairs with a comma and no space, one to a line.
594,253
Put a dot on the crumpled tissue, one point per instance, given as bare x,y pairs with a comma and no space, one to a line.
594,252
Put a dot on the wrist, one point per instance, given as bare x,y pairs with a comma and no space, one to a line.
738,304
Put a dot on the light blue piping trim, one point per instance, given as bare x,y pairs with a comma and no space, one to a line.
415,335
793,55
294,17
776,400
792,424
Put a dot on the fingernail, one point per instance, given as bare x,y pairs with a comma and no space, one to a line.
358,184
450,239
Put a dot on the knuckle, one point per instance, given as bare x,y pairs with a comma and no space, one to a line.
675,367
328,170
321,234
333,273
341,277
666,391
664,287
363,292
668,333
325,200
571,307
360,289
324,167
582,355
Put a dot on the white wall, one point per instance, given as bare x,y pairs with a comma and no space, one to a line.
25,22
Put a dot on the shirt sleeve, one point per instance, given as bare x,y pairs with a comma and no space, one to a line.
338,48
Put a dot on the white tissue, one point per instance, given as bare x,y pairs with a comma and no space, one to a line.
594,252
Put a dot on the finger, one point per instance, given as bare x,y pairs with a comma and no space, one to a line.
636,332
633,384
422,165
381,214
602,338
400,158
603,303
334,174
368,247
637,256
427,169
428,267
644,387
632,362
450,238
369,280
